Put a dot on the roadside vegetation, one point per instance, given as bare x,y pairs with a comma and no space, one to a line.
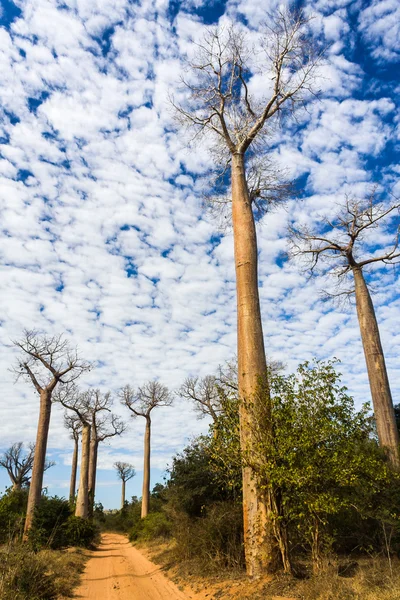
336,512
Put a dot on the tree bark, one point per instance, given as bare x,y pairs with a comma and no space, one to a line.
35,489
146,470
82,502
377,373
252,369
123,494
72,486
94,445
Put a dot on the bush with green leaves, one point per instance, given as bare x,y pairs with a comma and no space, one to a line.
155,526
12,514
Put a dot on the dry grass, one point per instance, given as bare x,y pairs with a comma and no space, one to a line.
366,579
46,575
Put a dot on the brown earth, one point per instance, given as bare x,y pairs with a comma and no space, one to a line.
118,571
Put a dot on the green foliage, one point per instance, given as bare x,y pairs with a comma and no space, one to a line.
317,456
155,526
12,514
78,532
49,524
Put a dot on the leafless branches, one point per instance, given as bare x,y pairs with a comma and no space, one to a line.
47,360
19,464
147,397
125,471
221,97
346,242
203,392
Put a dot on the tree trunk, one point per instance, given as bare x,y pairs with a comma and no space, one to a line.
376,367
123,494
252,369
146,470
72,486
35,489
82,501
94,445
16,486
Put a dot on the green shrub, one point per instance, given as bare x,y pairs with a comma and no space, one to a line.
48,529
12,514
156,525
78,532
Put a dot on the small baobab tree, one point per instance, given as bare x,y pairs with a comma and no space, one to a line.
74,425
347,245
125,472
104,425
45,361
235,93
18,464
141,403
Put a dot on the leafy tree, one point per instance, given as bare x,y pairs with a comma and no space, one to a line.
322,457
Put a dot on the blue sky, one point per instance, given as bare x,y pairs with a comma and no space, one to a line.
103,234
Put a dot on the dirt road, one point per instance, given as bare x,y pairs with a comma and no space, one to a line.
117,571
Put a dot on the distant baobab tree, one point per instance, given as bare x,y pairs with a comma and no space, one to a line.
71,398
347,244
141,403
104,425
220,102
19,464
125,472
74,425
45,361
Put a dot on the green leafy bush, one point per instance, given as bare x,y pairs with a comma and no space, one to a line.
12,514
49,524
155,525
79,532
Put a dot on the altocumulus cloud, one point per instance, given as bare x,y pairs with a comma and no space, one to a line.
103,235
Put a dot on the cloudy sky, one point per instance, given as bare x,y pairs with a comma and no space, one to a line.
102,231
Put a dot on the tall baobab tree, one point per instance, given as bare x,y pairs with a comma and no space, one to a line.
80,403
222,102
45,361
125,472
348,244
19,464
104,425
141,403
74,425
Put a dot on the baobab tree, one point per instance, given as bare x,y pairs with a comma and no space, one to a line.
80,403
141,403
125,472
203,393
104,425
74,425
223,102
45,361
19,464
348,244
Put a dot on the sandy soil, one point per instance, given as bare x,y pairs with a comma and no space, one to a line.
117,571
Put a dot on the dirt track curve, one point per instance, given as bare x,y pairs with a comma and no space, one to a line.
117,571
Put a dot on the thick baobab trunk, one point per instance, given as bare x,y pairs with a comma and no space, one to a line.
35,489
377,374
94,445
82,501
123,494
72,485
252,369
16,486
146,470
